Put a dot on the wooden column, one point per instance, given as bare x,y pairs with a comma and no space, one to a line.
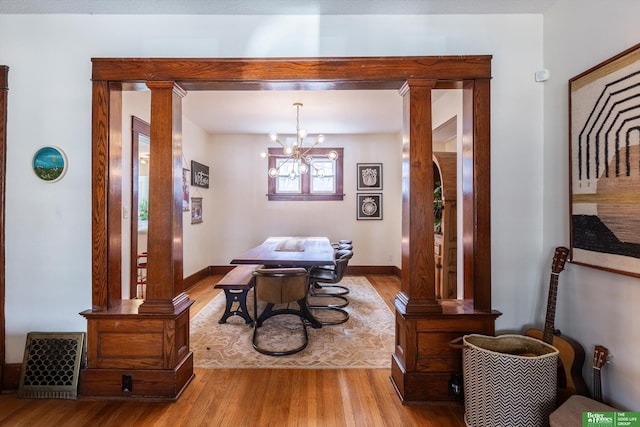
476,187
423,362
417,293
139,349
164,247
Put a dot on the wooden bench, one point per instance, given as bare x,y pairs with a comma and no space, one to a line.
236,285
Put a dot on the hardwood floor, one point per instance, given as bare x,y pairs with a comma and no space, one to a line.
250,397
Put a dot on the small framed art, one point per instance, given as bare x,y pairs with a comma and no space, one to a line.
196,210
49,164
185,190
369,206
369,176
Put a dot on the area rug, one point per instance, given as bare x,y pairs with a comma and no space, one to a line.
366,340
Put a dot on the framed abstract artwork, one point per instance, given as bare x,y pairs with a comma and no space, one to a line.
369,176
49,164
369,206
604,110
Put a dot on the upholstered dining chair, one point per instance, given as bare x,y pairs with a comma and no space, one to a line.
327,274
342,242
323,277
280,287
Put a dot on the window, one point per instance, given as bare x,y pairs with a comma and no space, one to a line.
323,180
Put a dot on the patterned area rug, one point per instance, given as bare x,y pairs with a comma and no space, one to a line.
364,341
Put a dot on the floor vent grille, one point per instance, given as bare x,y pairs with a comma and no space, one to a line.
51,365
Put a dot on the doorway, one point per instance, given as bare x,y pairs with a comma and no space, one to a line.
471,74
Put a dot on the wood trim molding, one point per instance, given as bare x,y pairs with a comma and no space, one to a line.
310,73
414,77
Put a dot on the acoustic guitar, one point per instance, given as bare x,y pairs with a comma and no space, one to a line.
600,358
571,358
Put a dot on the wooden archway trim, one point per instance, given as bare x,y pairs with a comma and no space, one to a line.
471,73
417,373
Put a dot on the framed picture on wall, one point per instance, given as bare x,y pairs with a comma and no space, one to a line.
369,206
604,109
185,190
196,210
50,164
369,176
199,174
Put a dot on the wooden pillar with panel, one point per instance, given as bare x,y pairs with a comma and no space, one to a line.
136,348
424,363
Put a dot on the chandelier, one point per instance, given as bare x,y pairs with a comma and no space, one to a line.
296,154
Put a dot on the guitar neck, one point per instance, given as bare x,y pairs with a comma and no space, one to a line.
549,323
597,385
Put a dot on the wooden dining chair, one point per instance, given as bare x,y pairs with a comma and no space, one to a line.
280,287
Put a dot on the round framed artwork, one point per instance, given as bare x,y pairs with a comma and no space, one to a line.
49,164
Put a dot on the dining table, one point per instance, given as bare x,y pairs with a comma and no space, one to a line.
304,252
285,252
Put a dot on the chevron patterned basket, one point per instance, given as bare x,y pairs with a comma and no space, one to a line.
509,380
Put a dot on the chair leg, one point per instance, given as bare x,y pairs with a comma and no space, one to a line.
343,304
280,352
334,307
343,290
342,319
270,312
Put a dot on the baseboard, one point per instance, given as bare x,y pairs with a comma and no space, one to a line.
361,270
220,269
11,376
196,277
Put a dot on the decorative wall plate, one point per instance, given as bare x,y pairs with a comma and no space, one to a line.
49,163
369,206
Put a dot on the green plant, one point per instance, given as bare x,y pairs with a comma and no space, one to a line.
437,208
143,210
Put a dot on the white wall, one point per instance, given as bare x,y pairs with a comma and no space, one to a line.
136,104
244,217
594,307
48,236
198,245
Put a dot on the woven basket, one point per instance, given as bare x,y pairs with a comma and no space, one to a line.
509,380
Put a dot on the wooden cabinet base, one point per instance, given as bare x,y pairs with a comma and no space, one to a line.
425,363
420,387
143,384
137,355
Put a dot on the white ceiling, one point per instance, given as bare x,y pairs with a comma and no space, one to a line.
277,7
325,112
262,112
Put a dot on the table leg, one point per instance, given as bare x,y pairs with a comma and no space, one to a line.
239,296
